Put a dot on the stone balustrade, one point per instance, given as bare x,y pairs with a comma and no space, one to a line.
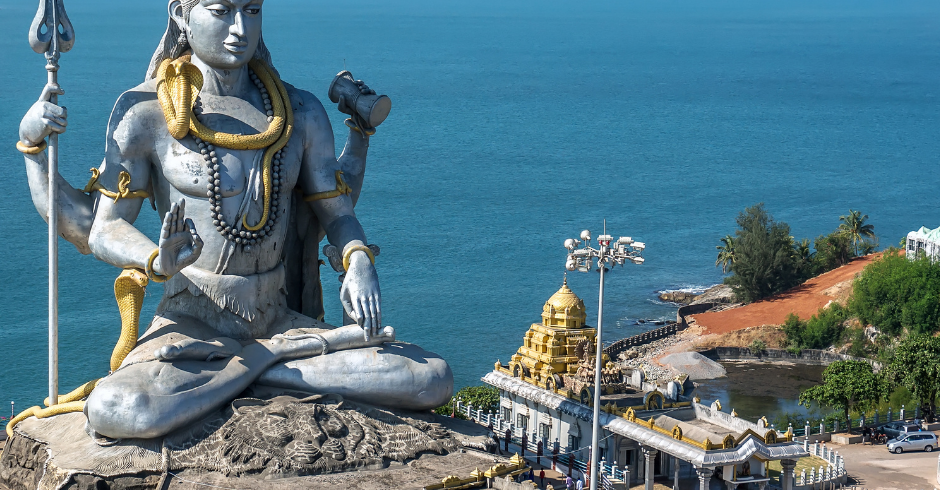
833,472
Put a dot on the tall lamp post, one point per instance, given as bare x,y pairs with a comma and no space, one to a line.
609,252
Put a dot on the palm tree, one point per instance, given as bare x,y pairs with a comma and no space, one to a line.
803,255
725,254
853,225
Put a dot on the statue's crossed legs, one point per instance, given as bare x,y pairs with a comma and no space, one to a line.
182,370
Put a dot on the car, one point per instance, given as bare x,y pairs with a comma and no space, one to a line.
897,429
924,440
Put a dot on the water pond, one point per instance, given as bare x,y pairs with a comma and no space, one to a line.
755,389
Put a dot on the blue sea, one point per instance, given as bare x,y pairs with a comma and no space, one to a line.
514,126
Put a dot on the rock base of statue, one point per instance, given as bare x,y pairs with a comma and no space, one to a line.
287,440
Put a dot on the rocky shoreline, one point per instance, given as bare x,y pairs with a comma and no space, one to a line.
718,293
661,360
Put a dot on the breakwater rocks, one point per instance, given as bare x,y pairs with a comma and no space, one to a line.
641,357
615,349
719,293
678,297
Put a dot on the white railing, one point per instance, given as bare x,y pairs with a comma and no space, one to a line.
834,469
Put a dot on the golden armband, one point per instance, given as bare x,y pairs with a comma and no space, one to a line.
341,188
123,192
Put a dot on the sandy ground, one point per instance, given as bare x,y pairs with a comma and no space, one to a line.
804,300
697,366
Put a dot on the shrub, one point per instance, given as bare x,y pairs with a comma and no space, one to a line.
820,331
895,293
860,346
758,346
481,397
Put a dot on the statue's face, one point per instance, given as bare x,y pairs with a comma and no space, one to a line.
225,33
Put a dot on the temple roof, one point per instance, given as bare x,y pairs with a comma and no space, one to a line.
564,309
929,234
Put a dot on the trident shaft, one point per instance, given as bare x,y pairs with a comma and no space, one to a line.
51,34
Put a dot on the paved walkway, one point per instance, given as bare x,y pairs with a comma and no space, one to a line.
873,467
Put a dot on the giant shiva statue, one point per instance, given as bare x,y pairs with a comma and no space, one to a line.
230,156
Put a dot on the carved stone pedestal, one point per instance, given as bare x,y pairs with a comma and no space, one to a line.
280,441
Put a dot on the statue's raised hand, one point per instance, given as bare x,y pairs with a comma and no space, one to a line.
43,118
179,244
361,296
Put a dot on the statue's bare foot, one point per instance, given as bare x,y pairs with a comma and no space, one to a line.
342,338
201,350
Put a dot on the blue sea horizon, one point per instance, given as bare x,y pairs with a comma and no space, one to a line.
514,126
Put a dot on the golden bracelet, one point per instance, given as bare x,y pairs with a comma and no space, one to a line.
356,248
31,150
353,126
150,273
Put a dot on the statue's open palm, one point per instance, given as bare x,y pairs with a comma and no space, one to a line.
179,244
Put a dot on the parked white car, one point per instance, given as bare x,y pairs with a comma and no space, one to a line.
915,441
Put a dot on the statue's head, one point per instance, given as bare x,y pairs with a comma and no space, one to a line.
225,34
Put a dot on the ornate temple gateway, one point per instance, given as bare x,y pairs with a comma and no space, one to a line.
649,431
558,354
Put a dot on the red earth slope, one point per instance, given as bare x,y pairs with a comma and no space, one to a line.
804,300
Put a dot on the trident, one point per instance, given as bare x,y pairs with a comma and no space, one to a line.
51,33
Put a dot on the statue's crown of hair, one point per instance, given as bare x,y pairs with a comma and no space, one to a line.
188,7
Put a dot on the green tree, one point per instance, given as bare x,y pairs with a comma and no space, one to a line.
763,256
895,293
725,254
854,226
916,366
832,251
847,386
804,259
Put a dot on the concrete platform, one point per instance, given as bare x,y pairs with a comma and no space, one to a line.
284,441
846,439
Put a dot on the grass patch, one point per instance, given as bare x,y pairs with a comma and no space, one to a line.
774,468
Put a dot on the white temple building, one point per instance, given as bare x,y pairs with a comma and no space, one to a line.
925,240
648,431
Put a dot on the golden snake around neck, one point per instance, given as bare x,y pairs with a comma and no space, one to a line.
178,84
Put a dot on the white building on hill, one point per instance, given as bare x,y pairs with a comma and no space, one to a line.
925,240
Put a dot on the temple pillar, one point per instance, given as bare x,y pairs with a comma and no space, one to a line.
787,476
650,455
675,473
704,477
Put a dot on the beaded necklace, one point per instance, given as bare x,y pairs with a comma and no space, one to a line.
231,231
178,87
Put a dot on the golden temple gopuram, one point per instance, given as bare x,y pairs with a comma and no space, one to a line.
558,354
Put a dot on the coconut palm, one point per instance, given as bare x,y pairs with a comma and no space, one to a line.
853,225
725,254
803,257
